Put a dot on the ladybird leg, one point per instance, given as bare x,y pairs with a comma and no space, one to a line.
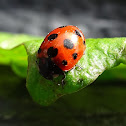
63,82
37,62
79,66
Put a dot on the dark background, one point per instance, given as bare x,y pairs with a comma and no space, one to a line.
96,18
100,104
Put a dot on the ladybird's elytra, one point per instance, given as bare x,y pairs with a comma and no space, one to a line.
61,50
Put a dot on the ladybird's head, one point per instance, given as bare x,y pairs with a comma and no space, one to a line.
48,69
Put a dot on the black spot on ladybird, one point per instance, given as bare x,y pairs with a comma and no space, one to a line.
52,52
74,56
62,26
39,51
68,44
52,37
64,62
84,42
77,33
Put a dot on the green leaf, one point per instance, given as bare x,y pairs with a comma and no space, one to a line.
118,73
15,57
100,55
10,41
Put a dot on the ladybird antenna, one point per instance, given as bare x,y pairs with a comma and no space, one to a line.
63,82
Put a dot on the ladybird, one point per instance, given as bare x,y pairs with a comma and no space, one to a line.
60,51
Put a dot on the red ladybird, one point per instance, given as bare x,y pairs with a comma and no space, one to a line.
60,51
